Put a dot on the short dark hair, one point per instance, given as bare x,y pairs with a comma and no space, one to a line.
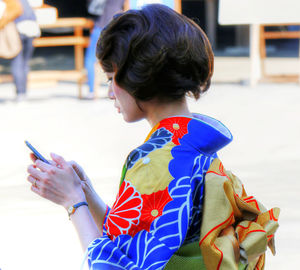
156,53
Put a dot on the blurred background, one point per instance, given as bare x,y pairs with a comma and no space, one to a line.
59,113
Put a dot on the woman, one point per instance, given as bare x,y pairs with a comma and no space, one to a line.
111,7
28,29
153,58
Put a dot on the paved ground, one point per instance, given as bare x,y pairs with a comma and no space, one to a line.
36,234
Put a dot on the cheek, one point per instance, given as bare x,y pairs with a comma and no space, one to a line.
116,89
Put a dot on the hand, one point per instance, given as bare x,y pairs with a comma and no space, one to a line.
57,182
85,181
96,205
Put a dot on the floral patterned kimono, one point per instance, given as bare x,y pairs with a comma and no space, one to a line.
158,211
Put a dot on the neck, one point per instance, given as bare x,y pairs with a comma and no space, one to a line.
156,111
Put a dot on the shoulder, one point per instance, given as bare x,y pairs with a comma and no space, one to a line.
147,166
172,150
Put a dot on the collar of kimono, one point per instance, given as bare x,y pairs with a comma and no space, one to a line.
203,133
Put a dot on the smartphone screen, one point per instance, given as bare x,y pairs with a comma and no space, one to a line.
36,153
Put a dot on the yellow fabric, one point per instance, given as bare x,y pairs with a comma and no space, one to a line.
226,203
151,174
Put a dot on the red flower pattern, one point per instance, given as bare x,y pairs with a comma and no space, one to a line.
176,125
125,212
153,206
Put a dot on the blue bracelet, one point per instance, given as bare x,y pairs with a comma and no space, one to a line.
72,209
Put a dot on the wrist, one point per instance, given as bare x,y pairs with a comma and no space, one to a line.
72,209
74,200
89,192
87,187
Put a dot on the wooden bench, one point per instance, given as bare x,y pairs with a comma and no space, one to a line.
265,35
77,40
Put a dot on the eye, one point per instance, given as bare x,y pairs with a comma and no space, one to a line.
109,80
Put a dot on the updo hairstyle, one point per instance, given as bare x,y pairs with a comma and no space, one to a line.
156,53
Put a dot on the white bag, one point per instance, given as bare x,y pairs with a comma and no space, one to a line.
96,7
10,43
29,28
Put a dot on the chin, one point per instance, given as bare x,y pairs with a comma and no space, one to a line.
132,119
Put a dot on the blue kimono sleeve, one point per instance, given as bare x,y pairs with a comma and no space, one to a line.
149,248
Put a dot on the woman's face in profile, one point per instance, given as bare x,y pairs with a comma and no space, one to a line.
123,101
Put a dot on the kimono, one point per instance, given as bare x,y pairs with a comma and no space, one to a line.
157,215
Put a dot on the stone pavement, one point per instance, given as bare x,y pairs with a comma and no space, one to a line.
36,234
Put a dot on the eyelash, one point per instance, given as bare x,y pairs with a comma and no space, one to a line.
109,80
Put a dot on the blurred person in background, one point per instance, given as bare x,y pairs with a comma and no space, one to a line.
111,7
23,15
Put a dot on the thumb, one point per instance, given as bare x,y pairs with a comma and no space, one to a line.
59,160
78,171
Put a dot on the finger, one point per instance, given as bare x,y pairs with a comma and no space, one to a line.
33,181
35,172
59,160
36,190
53,163
44,167
77,170
32,157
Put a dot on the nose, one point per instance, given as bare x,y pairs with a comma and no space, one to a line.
110,93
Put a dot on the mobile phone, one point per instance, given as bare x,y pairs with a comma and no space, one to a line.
36,153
